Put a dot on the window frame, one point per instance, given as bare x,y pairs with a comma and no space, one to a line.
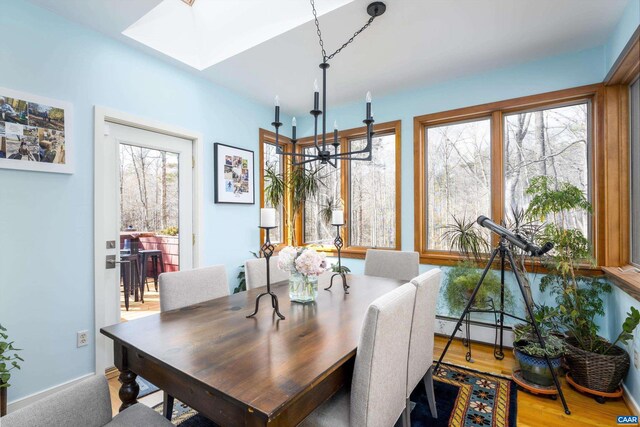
344,136
632,196
269,137
497,112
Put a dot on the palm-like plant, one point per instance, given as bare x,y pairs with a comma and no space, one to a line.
463,236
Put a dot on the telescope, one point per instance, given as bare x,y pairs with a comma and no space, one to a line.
513,238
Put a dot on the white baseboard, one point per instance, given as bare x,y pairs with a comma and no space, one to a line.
633,404
27,400
480,332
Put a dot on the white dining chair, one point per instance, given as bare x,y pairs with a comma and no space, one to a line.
398,265
420,365
255,271
378,387
184,288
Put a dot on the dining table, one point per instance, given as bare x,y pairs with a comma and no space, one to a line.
258,371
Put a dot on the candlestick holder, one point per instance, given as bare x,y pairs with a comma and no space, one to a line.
267,249
338,243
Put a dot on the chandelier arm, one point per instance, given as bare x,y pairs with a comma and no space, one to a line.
311,156
304,162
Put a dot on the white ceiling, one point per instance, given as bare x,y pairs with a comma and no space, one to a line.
415,43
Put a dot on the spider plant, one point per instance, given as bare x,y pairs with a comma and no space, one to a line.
463,236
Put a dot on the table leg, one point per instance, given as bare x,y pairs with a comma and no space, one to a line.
128,390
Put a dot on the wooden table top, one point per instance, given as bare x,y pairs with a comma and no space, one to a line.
262,362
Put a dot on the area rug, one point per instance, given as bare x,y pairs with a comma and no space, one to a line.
464,398
146,387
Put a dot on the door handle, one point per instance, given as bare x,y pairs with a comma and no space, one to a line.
111,262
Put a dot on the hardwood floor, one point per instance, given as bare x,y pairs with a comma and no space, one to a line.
137,309
533,411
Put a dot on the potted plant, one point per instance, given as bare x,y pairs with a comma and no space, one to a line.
463,235
9,360
594,363
531,355
305,265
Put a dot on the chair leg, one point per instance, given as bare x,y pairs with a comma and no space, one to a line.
167,408
431,397
407,413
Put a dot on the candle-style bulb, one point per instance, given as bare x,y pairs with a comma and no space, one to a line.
276,101
293,122
335,124
315,86
368,97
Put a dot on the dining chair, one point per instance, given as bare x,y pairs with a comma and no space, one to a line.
398,265
255,271
379,382
420,365
86,404
184,288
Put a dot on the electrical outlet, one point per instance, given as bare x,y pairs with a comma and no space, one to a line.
636,358
83,338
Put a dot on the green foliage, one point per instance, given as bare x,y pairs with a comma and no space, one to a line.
463,236
169,231
527,341
9,358
326,211
553,347
275,188
579,299
340,269
463,278
242,277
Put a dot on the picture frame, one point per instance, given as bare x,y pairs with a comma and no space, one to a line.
233,175
35,133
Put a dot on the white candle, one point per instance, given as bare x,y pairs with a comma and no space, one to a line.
337,217
267,217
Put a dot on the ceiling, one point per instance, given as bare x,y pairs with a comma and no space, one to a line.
415,43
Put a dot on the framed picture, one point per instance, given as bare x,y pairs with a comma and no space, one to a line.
35,133
233,170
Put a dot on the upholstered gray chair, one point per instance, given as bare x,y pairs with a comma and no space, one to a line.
183,288
379,384
255,271
392,264
420,366
85,404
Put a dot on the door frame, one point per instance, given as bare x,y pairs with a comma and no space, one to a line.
104,307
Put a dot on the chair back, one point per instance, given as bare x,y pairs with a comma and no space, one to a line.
380,372
183,288
86,404
422,328
255,271
398,265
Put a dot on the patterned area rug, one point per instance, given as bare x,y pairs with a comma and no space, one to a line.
464,398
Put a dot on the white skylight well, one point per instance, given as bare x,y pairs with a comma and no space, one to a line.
210,31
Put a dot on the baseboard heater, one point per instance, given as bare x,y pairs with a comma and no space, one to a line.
480,332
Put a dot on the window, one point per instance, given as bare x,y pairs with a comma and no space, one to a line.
316,230
458,165
480,160
272,161
635,171
372,194
550,142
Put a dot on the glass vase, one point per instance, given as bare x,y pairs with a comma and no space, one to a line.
303,288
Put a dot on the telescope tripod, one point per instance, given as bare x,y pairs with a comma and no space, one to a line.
505,254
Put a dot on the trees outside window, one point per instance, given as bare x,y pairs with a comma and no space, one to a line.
271,160
317,230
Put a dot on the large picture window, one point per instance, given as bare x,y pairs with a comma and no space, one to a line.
316,229
480,160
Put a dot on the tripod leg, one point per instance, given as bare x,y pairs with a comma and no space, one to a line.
467,308
537,331
500,353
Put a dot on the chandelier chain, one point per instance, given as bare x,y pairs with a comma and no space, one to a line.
348,42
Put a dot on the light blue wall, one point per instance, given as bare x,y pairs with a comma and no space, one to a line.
622,33
46,242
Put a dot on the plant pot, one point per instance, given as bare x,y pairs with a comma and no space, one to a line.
303,289
534,369
3,401
596,371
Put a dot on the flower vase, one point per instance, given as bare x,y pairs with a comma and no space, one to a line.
303,288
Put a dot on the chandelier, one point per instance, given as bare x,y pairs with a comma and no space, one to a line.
323,152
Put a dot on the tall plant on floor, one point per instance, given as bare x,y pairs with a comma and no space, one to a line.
9,360
300,184
579,298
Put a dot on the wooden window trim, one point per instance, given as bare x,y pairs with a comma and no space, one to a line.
496,111
270,137
345,136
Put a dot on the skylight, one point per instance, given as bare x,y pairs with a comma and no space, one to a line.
210,31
